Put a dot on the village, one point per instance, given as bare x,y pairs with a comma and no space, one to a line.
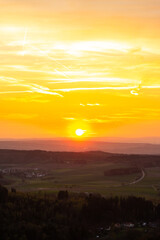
103,232
24,172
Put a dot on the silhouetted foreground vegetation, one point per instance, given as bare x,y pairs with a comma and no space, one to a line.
65,217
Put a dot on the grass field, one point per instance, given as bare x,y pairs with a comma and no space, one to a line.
89,178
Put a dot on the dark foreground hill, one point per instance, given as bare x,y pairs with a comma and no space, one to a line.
76,217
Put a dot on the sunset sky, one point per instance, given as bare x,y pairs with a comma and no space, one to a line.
79,64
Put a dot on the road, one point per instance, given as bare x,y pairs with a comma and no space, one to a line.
139,179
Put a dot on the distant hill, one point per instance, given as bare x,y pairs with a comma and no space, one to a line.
48,157
79,146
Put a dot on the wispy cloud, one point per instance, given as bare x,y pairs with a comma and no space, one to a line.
151,87
31,88
96,120
69,118
8,79
15,92
90,104
97,80
94,88
26,99
43,90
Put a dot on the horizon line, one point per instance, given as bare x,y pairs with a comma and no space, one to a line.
140,140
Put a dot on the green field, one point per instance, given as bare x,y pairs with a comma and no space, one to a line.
88,178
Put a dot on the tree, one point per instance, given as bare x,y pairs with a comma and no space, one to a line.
62,195
3,194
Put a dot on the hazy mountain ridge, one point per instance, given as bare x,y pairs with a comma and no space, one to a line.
79,146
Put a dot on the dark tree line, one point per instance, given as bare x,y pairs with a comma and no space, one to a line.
64,217
121,171
46,157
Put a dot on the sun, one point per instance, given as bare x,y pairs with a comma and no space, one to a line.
79,132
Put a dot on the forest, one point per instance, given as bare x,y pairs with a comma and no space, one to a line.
68,216
121,171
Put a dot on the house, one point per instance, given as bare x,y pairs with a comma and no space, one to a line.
117,225
128,225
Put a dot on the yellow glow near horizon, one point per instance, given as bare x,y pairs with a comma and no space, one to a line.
83,64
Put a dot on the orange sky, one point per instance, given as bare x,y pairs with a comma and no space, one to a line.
89,64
